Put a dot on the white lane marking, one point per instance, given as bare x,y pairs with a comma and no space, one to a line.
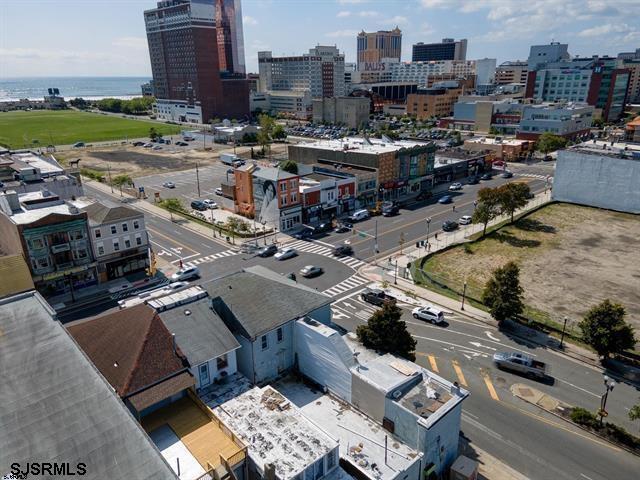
479,345
186,258
583,475
463,347
490,335
579,388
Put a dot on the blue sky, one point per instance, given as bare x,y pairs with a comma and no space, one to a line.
107,37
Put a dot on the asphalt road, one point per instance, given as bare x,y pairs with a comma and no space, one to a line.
528,439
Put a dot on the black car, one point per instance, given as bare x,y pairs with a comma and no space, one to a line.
198,205
323,227
268,251
138,144
449,226
376,297
389,209
486,176
506,174
342,251
305,233
473,181
343,227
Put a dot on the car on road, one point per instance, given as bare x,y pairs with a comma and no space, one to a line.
310,271
359,215
428,314
137,144
423,196
285,253
473,181
455,186
445,199
465,220
148,145
323,228
78,145
169,185
156,147
210,204
180,143
306,232
389,209
449,226
520,363
506,174
376,297
183,274
342,251
267,251
218,191
199,205
486,176
343,228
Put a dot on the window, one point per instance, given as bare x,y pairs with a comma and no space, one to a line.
100,249
265,343
43,262
113,230
280,334
97,233
222,362
77,235
283,199
127,243
81,253
138,240
36,243
116,245
125,227
283,187
331,460
136,224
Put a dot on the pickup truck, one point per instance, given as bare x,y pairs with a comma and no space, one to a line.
520,363
376,297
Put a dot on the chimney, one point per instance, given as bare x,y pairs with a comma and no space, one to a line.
173,341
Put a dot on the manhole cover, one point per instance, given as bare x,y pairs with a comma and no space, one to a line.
501,382
525,392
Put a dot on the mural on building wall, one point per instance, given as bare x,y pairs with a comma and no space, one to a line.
266,200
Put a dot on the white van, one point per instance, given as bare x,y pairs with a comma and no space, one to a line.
359,215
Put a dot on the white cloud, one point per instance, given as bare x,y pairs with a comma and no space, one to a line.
344,13
397,20
342,33
368,13
605,29
247,20
130,42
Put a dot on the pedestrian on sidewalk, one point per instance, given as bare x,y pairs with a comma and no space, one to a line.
454,208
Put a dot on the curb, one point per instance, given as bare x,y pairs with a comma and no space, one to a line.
595,434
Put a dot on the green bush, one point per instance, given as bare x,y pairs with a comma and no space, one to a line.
621,435
92,174
468,249
582,416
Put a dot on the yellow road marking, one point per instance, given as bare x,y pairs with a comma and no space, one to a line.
434,365
172,240
456,367
492,391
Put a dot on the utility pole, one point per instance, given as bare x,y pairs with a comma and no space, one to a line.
198,178
375,245
464,294
401,242
564,327
110,182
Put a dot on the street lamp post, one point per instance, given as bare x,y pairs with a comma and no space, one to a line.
564,327
608,385
395,275
464,294
428,226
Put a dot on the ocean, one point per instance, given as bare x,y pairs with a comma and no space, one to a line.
89,88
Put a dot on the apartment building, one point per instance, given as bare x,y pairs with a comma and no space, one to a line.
373,47
435,101
511,72
289,103
448,49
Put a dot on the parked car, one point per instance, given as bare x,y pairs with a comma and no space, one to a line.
376,297
218,191
445,199
267,251
455,186
342,251
78,145
424,196
311,271
520,363
169,185
473,181
323,227
465,220
199,205
449,226
429,314
306,232
138,144
285,253
343,227
506,174
390,208
486,176
210,204
180,143
156,147
185,274
359,215
148,145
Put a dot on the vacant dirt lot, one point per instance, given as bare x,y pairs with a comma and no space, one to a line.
571,258
138,161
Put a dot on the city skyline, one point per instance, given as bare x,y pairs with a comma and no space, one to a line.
117,46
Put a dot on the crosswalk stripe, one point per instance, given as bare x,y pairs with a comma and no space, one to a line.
492,391
319,248
432,362
456,367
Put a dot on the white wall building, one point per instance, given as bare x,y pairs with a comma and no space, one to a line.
293,103
177,111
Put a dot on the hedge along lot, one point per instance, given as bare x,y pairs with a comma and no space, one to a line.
570,257
64,127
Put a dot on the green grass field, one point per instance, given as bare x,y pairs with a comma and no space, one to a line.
20,129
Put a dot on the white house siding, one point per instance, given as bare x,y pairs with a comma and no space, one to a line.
214,373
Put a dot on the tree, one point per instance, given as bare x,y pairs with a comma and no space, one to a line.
121,180
605,329
548,142
265,133
488,207
289,166
153,133
279,132
173,204
503,293
386,332
513,196
634,413
494,131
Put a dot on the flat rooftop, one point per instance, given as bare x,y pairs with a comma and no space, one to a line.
362,441
30,159
625,150
276,431
494,141
374,146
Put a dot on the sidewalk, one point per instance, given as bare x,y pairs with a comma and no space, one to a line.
489,468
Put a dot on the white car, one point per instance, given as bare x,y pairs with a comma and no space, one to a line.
429,314
156,147
210,204
311,271
455,186
185,274
285,253
465,220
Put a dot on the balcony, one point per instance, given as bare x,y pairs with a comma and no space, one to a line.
60,247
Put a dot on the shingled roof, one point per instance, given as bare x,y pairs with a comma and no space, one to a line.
257,300
132,348
100,214
57,407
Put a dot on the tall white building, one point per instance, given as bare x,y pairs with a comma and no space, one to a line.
419,72
321,72
485,70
